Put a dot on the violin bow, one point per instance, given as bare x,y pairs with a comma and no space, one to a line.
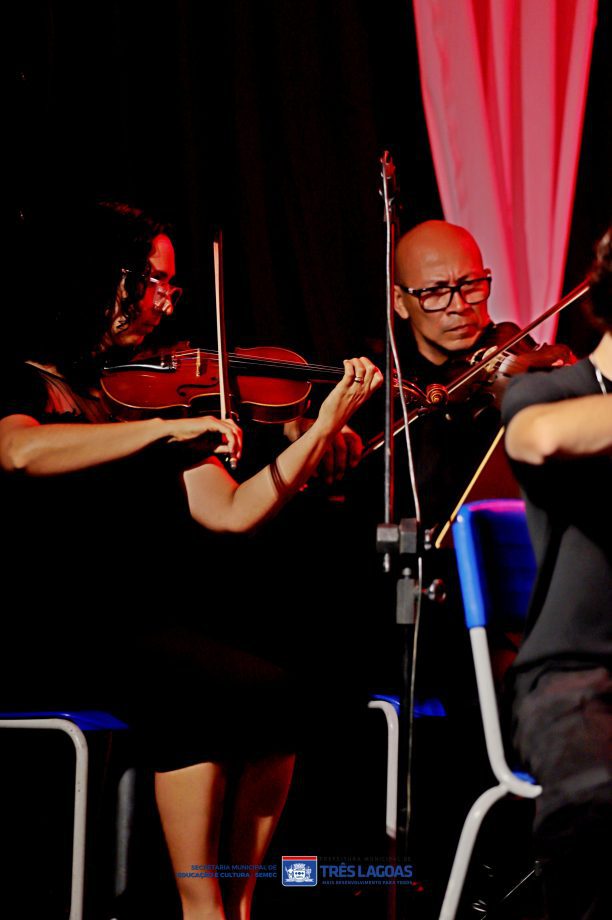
225,395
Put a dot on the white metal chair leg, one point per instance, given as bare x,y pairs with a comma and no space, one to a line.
464,849
80,800
392,759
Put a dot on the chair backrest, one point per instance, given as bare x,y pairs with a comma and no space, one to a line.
495,561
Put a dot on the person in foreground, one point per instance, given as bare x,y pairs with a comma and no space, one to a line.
559,440
104,516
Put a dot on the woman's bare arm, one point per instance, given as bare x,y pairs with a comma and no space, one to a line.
47,450
219,503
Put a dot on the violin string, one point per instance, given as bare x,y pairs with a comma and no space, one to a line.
247,361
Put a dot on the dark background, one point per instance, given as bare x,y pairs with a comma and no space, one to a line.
267,119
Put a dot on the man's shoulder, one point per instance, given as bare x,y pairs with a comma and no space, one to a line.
548,386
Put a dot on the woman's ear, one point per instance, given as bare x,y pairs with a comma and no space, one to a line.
116,313
123,294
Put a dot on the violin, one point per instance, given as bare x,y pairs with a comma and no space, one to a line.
273,384
492,366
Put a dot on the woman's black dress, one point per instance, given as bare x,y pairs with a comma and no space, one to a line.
119,601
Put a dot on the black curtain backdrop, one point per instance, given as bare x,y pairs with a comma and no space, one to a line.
267,119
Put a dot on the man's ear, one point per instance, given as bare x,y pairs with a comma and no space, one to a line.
398,302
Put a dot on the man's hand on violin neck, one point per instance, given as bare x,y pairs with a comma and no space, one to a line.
224,435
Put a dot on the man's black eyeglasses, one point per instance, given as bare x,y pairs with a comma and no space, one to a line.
438,298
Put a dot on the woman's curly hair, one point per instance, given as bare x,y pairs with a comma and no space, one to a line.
77,265
600,279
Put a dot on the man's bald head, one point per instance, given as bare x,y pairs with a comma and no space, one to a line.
431,254
421,252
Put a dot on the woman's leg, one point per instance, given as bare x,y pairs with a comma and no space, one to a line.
190,803
261,793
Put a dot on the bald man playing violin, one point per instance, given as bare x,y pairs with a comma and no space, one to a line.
442,289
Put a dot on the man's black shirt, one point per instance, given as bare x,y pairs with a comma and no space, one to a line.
569,509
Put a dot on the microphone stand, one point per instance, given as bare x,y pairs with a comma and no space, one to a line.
401,545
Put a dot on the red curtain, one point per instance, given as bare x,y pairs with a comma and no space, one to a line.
504,85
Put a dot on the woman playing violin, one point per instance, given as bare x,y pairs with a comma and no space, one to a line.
103,517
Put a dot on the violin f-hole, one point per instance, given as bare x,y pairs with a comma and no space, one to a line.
183,390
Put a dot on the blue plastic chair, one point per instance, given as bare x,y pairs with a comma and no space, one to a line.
496,571
75,724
